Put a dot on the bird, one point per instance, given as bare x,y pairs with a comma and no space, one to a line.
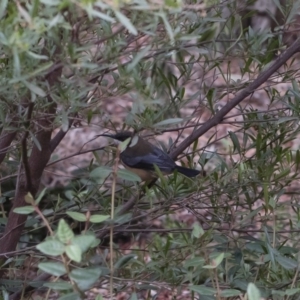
140,156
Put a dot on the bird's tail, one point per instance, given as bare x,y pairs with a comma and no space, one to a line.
187,172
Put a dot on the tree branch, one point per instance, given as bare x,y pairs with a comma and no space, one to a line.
263,77
24,148
37,161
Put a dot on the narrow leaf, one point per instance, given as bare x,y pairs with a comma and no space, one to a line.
24,210
126,22
34,89
128,175
53,268
77,216
51,247
98,218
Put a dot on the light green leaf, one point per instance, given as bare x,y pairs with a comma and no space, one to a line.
85,278
230,293
59,285
197,230
100,173
39,57
133,296
76,216
202,290
172,121
51,247
74,252
98,218
286,262
98,14
291,292
34,88
64,232
84,242
40,196
122,146
53,268
215,262
35,141
253,292
3,5
24,210
128,175
140,55
70,296
126,22
124,260
17,68
29,198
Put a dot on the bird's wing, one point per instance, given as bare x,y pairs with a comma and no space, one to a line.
157,157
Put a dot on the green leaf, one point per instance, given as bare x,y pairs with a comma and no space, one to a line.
51,247
40,196
84,242
235,141
70,296
100,173
98,14
53,268
202,290
17,68
197,230
98,218
124,260
29,199
126,22
128,175
3,5
173,121
24,210
58,285
140,55
133,296
216,262
77,216
35,140
64,232
122,146
34,89
39,57
253,292
85,278
230,293
74,252
286,262
291,292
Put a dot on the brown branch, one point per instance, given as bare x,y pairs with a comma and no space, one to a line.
282,59
37,161
59,136
24,148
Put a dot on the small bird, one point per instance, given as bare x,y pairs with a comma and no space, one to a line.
140,156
